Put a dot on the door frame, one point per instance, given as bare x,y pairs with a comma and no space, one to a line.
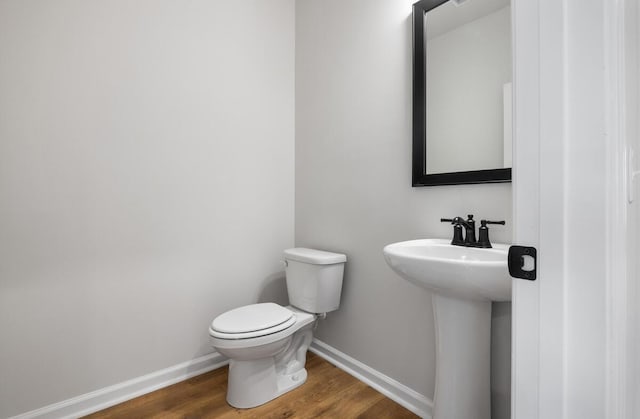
618,280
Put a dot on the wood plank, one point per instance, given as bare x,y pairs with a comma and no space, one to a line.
328,393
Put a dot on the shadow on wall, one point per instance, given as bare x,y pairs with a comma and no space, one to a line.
274,290
501,360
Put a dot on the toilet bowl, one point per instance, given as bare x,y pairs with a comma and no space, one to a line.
267,343
270,362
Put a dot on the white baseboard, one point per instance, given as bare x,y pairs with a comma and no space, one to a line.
401,394
109,396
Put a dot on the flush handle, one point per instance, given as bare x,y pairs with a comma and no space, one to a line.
522,262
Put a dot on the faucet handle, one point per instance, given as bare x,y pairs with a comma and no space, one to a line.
483,233
454,220
457,230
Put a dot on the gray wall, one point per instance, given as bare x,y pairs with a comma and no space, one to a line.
146,183
147,153
353,179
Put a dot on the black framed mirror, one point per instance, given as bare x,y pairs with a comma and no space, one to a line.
461,92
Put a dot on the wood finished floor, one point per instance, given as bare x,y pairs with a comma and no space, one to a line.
328,393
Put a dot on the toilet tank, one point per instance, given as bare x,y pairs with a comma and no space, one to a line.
314,279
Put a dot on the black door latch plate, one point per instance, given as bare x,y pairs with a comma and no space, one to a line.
516,262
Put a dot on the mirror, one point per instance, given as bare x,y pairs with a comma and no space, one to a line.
461,92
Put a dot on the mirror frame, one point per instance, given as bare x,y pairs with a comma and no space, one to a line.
419,169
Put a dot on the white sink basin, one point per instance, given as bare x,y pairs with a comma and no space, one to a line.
463,282
465,272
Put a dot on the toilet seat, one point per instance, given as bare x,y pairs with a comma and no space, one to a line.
252,321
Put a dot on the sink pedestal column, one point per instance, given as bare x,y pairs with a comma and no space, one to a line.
463,358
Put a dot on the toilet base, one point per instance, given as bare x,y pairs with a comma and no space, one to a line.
256,382
253,383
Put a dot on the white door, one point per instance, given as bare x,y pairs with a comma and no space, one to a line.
570,337
538,207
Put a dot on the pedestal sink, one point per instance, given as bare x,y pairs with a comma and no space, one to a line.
463,281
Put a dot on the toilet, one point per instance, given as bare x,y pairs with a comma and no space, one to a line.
267,343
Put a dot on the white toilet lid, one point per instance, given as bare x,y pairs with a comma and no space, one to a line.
251,321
